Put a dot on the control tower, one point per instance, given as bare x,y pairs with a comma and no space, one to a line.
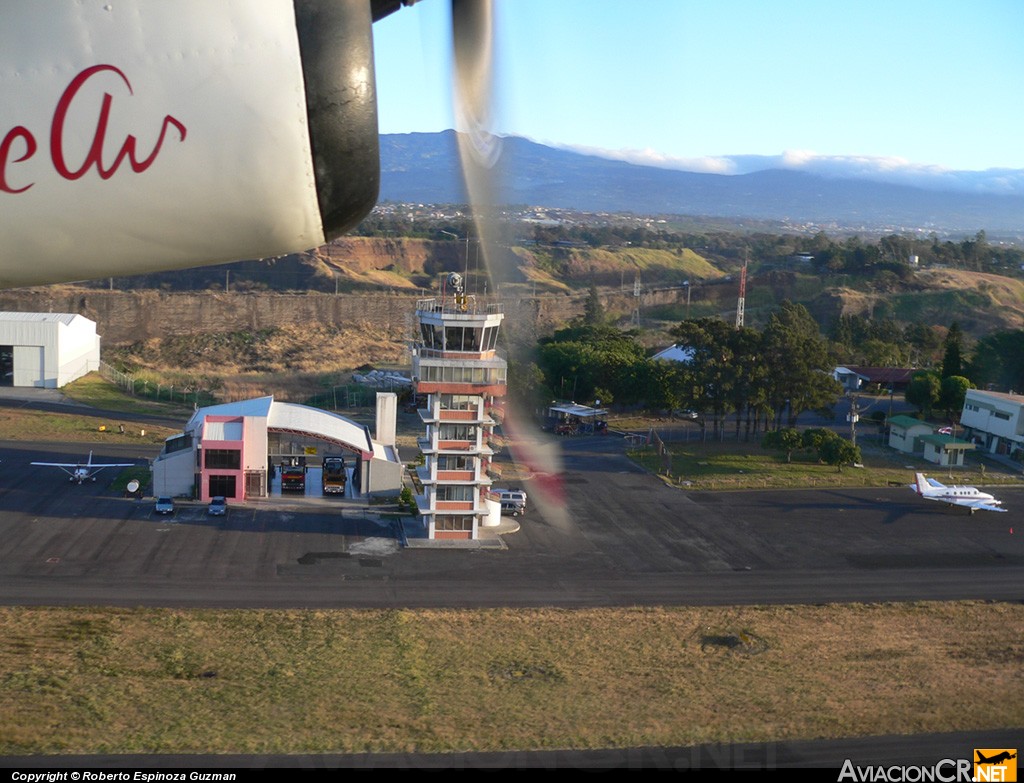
455,364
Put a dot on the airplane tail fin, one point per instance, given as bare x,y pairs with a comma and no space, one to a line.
919,483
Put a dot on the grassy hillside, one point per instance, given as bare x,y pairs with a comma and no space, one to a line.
576,267
980,302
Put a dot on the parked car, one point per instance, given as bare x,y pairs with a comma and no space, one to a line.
513,501
164,506
218,507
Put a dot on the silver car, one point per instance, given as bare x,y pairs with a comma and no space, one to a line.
218,507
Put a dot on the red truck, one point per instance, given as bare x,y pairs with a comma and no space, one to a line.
293,479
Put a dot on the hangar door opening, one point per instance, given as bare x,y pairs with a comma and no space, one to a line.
223,486
293,449
6,365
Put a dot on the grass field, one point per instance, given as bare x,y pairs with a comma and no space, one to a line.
167,681
734,465
27,424
96,391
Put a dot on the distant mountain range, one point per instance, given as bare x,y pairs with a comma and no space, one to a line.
424,168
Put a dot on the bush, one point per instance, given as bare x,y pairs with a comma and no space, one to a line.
406,500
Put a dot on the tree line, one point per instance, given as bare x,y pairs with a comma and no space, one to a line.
763,378
885,260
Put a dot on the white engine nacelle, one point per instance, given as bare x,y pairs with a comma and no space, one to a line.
145,135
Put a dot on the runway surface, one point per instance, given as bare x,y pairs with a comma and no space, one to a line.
627,539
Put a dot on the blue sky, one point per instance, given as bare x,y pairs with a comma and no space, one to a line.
898,85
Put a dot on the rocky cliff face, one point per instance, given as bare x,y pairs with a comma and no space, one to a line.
126,317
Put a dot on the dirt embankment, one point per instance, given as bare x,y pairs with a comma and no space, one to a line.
396,262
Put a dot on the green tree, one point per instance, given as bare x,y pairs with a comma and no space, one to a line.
526,384
593,311
952,358
708,377
924,391
787,439
748,375
952,393
666,385
999,360
879,353
814,439
838,451
799,363
924,343
580,359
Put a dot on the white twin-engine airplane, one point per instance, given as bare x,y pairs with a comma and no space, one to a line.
971,497
79,472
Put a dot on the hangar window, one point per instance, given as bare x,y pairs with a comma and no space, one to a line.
178,443
223,486
223,459
223,430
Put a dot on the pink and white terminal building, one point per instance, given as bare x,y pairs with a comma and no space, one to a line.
231,449
456,365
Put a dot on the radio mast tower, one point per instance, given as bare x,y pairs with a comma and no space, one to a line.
740,303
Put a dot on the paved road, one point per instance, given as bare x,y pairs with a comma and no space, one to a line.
626,540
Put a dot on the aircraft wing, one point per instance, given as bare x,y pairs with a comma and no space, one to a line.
85,464
981,504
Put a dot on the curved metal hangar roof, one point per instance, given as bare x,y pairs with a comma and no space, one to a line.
290,417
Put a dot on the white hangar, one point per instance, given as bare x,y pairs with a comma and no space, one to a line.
46,349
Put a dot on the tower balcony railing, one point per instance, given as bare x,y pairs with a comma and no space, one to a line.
441,353
467,304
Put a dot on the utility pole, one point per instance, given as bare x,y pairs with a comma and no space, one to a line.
854,416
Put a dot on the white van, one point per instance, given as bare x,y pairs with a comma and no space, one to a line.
513,501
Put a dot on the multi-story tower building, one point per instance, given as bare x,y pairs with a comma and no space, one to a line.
456,365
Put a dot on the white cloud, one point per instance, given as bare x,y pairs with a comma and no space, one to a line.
649,157
890,169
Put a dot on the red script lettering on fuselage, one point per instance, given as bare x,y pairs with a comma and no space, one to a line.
94,157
